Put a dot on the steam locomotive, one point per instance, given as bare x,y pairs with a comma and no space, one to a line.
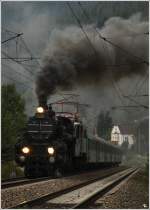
53,143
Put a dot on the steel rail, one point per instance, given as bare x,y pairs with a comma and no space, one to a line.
12,179
20,181
100,192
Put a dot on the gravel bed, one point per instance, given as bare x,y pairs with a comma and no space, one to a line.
132,194
15,195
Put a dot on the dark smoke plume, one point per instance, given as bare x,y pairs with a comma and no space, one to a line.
70,61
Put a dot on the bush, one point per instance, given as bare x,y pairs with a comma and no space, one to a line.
10,170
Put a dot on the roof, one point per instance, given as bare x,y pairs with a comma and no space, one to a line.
127,129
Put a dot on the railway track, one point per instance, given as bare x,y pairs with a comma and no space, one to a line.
73,197
20,181
12,179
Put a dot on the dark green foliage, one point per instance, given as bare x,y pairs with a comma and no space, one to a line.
13,119
104,125
9,169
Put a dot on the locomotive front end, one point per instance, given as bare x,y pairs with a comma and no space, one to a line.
39,150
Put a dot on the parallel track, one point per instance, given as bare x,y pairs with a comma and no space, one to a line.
41,200
12,179
18,181
21,181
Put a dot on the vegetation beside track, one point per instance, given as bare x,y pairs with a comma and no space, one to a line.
9,169
136,160
13,120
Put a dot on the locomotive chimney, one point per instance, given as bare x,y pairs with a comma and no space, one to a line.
43,103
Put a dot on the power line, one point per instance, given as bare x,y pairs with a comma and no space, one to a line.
142,95
8,31
124,64
141,84
11,38
80,25
105,39
134,106
117,89
119,94
137,84
26,47
146,107
89,41
21,59
82,29
131,35
17,62
8,77
110,42
23,75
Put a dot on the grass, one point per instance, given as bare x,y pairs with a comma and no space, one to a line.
139,161
9,169
136,160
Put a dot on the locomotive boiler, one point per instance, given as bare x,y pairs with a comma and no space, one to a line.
54,143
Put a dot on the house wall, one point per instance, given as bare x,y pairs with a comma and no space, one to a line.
115,135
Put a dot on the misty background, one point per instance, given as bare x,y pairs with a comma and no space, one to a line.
43,24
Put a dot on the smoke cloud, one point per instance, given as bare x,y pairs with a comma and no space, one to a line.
70,61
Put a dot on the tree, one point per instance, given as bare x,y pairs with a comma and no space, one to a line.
13,119
104,125
125,145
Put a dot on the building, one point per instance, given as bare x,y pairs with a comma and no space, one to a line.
122,134
116,137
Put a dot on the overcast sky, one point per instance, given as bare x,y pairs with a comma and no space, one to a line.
37,19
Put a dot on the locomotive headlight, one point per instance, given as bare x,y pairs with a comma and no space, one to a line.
25,150
51,150
40,110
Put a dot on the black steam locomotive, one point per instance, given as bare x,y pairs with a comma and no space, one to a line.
53,143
